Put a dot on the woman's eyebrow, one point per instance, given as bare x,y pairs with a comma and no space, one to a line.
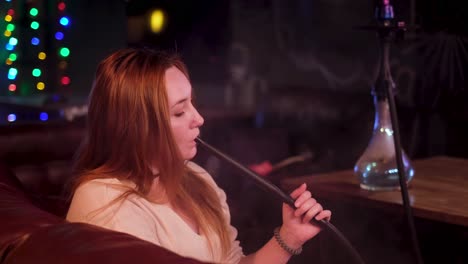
180,102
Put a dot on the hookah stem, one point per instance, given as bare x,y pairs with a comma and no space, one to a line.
270,187
398,150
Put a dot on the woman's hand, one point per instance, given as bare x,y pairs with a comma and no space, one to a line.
297,228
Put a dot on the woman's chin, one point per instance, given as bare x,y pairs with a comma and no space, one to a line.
190,154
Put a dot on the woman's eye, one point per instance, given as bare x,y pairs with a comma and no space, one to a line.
179,114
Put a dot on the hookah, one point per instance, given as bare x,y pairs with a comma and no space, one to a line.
384,166
386,123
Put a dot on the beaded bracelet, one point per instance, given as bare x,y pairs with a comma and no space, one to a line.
283,245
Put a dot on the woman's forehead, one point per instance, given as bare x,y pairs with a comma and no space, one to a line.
177,85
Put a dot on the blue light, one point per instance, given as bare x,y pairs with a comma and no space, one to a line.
64,21
43,116
13,41
12,73
35,41
8,46
11,118
59,35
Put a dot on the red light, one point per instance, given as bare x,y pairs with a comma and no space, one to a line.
12,87
11,12
65,80
61,6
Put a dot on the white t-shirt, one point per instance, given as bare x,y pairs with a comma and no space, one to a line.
156,223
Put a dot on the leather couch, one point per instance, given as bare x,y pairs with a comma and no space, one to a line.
35,162
30,234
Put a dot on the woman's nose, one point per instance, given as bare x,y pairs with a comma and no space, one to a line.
198,119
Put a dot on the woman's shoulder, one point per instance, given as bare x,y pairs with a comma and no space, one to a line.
200,171
108,188
195,167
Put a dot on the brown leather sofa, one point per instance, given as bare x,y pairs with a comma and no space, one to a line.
34,163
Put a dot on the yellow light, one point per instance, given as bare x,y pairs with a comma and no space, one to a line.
8,61
41,55
157,21
7,33
40,86
8,18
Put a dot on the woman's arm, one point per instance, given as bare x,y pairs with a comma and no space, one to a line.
295,231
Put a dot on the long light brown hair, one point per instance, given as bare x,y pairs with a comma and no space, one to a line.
129,132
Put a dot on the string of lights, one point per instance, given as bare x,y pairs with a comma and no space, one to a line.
30,36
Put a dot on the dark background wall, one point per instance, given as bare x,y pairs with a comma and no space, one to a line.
303,62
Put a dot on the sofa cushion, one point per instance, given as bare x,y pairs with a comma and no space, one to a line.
29,234
19,216
75,243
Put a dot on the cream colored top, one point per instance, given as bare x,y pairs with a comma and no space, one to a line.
156,223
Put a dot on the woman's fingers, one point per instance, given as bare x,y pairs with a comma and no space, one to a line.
299,191
317,208
305,206
302,198
325,214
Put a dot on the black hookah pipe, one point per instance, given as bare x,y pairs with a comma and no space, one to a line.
387,32
273,189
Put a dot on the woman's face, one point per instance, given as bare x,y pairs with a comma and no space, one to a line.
185,119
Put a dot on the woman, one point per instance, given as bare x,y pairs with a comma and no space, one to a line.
134,174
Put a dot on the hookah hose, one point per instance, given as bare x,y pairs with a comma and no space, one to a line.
384,14
270,187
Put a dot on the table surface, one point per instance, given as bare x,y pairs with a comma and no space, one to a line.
438,191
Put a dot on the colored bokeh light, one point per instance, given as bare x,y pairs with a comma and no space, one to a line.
65,80
12,57
64,21
43,116
12,73
7,33
40,86
61,6
33,12
157,20
34,25
59,35
41,55
13,41
11,118
8,18
36,72
35,41
10,27
12,87
63,65
64,52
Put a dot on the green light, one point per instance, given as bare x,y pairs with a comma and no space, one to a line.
64,52
10,27
12,57
36,72
34,25
33,12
